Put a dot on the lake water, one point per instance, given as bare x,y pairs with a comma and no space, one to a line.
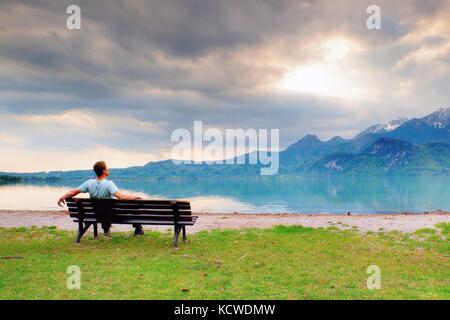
273,195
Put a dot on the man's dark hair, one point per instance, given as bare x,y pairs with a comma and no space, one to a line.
99,167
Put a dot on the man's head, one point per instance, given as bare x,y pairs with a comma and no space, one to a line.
101,169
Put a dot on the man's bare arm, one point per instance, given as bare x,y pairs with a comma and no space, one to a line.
70,194
123,196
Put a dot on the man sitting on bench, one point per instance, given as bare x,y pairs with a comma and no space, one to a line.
101,188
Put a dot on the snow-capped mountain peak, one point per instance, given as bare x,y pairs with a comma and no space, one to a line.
384,127
390,125
438,119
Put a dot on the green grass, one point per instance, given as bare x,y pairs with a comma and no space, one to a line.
279,263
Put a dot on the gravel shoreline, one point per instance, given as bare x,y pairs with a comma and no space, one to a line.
405,222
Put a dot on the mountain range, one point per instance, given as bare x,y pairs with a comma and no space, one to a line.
419,146
398,147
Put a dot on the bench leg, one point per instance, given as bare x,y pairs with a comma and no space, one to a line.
184,233
82,230
95,230
176,234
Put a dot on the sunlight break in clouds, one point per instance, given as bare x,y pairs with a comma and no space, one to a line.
330,76
323,80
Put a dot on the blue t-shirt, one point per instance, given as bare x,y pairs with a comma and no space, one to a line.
99,189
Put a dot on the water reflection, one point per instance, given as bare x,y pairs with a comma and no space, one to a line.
292,195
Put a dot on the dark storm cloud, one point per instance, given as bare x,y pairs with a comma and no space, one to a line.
135,31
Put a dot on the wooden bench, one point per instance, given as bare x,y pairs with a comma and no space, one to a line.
87,212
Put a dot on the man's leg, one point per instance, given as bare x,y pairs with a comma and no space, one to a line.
138,229
106,228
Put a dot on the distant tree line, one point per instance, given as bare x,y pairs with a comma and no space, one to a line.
9,179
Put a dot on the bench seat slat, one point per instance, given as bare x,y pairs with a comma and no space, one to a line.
145,222
132,206
137,212
141,217
143,202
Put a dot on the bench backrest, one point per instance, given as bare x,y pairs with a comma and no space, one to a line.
109,210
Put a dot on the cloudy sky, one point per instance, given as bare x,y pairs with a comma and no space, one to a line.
137,70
